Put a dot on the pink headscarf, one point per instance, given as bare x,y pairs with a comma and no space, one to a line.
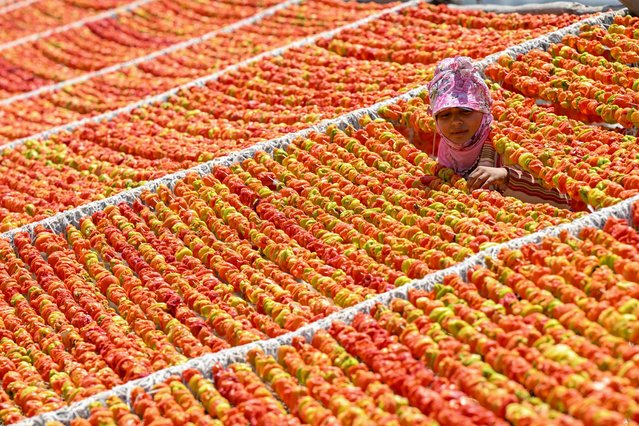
458,84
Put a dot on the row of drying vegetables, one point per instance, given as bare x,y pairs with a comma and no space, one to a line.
41,178
22,118
25,18
248,252
131,34
542,335
266,99
594,165
253,250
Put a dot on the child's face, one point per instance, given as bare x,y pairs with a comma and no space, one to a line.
459,125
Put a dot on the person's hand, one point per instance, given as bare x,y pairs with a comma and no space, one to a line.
484,177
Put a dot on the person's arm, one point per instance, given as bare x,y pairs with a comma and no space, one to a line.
486,173
516,175
488,155
523,185
519,176
488,158
515,181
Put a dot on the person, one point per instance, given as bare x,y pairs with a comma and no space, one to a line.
461,103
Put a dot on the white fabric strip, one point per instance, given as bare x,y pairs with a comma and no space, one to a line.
16,5
87,76
201,81
106,14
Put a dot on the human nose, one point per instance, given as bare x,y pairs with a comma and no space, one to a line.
457,119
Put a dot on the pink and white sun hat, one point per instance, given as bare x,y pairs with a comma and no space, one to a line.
458,84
